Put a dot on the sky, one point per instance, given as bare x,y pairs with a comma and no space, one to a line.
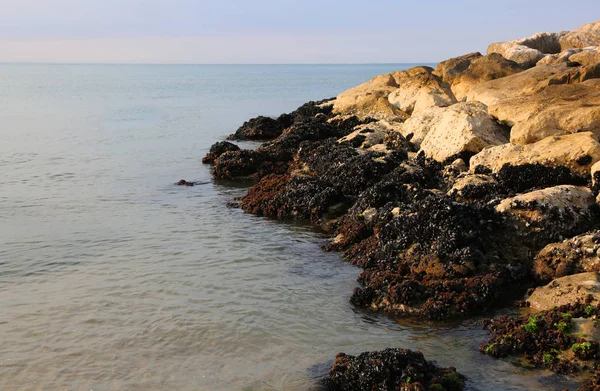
272,31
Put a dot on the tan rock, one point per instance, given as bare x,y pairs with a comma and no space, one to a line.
566,290
463,127
483,69
557,110
451,68
370,99
576,255
584,36
420,92
586,56
558,58
528,51
577,151
543,101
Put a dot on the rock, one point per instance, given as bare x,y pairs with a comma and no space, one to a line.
364,137
577,151
595,171
461,128
567,290
183,182
451,68
473,186
576,255
528,51
584,36
562,57
416,127
586,56
391,369
266,128
421,91
551,214
367,136
482,69
217,150
557,110
370,99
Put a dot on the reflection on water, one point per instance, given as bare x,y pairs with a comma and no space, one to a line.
113,278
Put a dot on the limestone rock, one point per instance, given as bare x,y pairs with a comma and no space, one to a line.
543,101
416,127
420,92
370,99
562,57
451,68
483,69
567,290
576,255
528,51
552,213
577,151
584,36
586,56
463,127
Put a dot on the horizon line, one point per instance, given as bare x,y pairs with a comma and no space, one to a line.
207,63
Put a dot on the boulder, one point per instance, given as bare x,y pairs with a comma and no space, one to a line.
461,128
562,57
472,186
416,127
370,99
391,369
364,137
421,91
483,69
567,290
217,149
584,36
586,56
543,101
576,255
528,51
577,151
552,213
555,111
451,68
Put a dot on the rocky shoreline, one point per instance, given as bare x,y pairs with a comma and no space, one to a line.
457,190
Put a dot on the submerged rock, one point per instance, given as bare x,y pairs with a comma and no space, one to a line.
391,369
183,182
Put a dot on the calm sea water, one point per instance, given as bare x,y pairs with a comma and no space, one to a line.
111,278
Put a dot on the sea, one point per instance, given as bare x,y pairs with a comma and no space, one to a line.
113,278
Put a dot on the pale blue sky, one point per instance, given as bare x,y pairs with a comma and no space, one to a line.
272,31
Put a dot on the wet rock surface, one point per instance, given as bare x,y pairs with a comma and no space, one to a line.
391,369
545,339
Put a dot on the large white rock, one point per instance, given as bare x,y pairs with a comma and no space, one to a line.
420,92
463,127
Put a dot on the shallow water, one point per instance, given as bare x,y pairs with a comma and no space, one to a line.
112,278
